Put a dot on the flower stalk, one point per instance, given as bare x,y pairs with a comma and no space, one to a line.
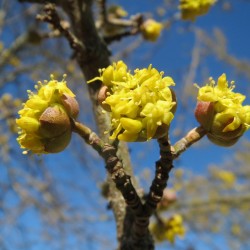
189,139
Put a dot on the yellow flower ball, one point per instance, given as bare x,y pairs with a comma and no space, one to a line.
227,177
190,9
168,229
141,104
44,121
151,30
220,111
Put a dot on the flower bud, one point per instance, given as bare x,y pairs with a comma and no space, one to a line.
102,95
71,105
54,121
204,113
58,143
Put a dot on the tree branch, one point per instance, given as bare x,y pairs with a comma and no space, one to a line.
163,167
113,165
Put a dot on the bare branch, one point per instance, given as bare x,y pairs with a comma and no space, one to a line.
53,18
14,47
130,26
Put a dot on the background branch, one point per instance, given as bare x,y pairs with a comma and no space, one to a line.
53,18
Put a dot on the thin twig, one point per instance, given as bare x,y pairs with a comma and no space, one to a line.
52,17
118,37
19,42
191,137
130,27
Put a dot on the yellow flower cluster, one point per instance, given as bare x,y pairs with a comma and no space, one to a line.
190,9
228,177
220,111
151,30
45,118
168,229
141,104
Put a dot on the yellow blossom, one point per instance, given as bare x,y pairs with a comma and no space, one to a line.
44,121
220,111
227,177
141,105
236,229
190,9
151,30
168,229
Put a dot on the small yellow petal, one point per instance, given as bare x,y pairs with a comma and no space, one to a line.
222,81
131,125
151,128
147,110
107,76
28,124
127,136
167,118
37,103
116,132
31,142
233,125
